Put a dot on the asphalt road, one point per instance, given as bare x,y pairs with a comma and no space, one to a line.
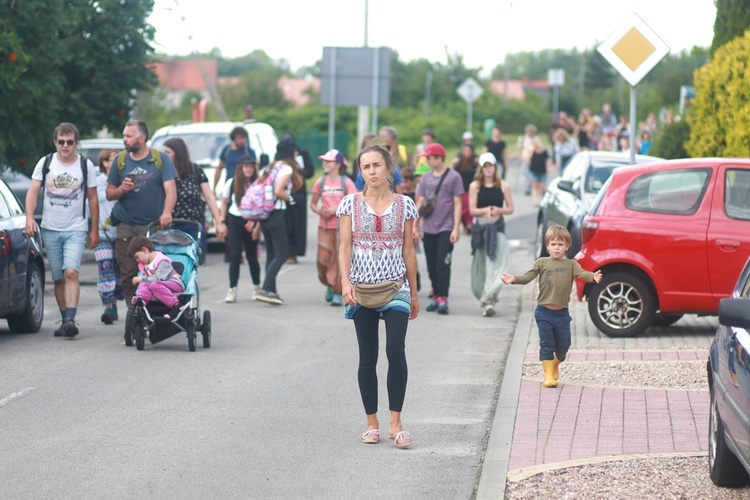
271,410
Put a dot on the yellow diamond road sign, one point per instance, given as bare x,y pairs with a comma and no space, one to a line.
633,50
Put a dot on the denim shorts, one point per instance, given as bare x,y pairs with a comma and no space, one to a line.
64,250
538,177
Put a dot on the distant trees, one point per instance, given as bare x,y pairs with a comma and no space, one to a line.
60,61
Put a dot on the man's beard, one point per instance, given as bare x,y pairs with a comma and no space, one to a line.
133,149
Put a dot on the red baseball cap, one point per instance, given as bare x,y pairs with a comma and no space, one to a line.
433,149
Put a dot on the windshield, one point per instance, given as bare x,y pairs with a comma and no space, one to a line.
204,149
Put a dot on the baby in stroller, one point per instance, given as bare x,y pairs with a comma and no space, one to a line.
159,279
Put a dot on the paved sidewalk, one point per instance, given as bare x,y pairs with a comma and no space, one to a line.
585,420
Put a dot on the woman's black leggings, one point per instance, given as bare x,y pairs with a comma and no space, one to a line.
238,238
366,322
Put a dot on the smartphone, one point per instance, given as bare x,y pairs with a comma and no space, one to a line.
131,177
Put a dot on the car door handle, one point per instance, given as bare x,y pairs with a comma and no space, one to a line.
728,244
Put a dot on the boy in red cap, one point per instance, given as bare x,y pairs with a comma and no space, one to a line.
439,203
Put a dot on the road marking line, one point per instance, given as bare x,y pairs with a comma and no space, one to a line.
16,395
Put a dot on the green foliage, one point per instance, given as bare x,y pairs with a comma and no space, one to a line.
589,82
670,142
63,62
732,19
720,115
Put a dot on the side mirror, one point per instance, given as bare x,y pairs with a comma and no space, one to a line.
734,312
264,160
566,186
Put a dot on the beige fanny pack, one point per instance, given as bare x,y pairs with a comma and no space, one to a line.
375,295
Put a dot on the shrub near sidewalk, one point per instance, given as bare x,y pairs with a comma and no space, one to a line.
719,117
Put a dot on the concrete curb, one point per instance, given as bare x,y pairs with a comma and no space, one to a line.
495,464
524,473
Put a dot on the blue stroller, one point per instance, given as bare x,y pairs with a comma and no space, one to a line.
149,321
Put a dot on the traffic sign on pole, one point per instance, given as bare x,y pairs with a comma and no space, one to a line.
633,50
469,91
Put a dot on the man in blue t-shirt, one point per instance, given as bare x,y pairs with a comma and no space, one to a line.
144,192
231,153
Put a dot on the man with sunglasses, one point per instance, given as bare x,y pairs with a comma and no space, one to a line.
65,218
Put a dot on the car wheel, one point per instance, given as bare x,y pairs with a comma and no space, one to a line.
30,319
621,305
540,249
665,319
723,466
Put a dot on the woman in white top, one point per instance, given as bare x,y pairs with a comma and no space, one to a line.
376,246
274,227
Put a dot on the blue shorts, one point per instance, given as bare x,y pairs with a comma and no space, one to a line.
64,250
538,177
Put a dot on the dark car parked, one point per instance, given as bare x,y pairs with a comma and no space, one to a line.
19,183
570,196
21,267
729,384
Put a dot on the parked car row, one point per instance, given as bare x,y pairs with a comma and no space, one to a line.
570,196
670,238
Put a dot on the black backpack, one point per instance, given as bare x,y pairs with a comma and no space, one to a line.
84,184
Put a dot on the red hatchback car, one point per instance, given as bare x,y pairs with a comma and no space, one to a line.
670,238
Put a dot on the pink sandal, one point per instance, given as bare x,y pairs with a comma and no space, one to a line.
401,439
372,436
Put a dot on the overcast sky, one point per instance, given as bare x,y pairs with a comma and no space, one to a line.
482,31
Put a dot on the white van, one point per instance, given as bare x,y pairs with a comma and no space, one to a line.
205,142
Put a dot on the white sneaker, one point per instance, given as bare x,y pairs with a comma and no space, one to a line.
231,295
256,289
489,310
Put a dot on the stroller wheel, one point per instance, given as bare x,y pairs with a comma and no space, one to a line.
129,328
206,329
190,329
138,334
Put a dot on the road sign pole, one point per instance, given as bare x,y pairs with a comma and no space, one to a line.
631,125
469,117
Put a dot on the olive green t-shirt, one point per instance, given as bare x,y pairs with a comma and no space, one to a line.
555,279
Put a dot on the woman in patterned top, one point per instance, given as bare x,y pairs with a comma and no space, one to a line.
192,190
376,246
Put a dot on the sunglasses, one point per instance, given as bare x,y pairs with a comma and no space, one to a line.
69,142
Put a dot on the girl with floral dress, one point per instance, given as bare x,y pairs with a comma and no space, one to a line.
376,228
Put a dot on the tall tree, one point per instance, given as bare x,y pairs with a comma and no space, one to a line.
65,60
732,19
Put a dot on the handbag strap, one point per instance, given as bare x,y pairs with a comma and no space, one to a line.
442,178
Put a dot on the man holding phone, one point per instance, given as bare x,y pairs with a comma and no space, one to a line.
145,191
68,180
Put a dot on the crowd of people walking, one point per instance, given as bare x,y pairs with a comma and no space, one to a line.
373,220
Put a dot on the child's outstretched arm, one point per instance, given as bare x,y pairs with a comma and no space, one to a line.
508,279
598,276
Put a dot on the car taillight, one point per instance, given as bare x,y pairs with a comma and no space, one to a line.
588,228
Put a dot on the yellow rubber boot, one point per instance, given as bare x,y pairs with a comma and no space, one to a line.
549,369
556,371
